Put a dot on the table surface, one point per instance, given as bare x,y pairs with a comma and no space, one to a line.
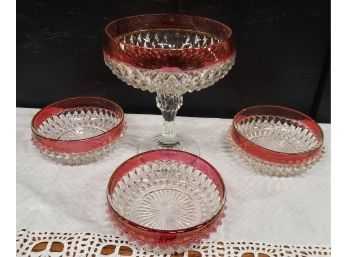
293,210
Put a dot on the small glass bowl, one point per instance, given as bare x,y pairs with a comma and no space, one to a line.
166,200
276,140
78,130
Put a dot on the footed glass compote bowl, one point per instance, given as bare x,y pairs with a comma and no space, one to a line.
169,54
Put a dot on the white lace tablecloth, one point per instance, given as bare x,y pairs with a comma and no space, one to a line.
290,211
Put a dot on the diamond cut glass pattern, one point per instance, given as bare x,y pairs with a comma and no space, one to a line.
166,199
169,82
278,135
78,130
169,54
166,195
78,124
277,140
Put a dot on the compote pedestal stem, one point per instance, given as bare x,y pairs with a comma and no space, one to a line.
169,105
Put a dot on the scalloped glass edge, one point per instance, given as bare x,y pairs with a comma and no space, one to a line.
167,248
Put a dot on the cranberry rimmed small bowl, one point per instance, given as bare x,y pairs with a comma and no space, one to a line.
78,130
276,140
166,200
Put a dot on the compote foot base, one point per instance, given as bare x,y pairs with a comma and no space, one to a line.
181,142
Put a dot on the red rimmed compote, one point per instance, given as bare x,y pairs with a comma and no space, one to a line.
169,54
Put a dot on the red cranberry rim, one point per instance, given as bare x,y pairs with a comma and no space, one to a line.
227,33
175,231
320,136
115,105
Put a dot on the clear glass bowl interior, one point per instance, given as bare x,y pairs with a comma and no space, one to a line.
275,135
78,125
169,42
166,197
